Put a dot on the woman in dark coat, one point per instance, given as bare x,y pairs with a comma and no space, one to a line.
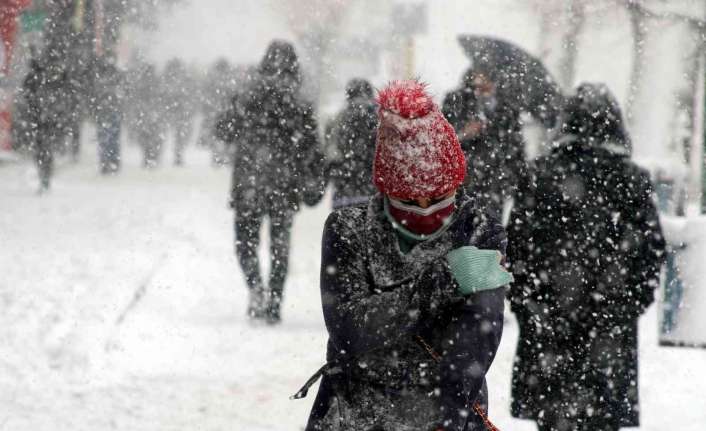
411,285
586,249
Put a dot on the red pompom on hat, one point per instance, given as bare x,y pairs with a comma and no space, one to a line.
417,154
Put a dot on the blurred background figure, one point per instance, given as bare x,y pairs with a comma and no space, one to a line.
45,94
502,83
108,112
76,103
149,126
179,97
217,92
275,131
491,137
134,76
350,146
586,248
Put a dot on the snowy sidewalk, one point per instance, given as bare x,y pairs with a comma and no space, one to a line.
122,307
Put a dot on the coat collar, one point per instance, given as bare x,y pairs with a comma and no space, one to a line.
388,265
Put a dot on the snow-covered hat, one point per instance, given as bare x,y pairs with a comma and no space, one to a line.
418,154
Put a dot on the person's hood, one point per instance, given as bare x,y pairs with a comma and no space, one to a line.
358,89
593,117
280,66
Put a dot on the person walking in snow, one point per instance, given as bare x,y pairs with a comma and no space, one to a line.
45,96
276,165
490,131
586,247
179,100
412,286
350,146
108,111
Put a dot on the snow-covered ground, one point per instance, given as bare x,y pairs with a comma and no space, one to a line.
122,307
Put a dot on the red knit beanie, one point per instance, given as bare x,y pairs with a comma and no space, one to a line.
417,154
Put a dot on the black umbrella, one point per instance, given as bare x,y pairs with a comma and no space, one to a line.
520,78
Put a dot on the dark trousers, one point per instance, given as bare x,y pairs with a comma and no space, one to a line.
44,158
74,133
247,240
109,143
182,133
151,142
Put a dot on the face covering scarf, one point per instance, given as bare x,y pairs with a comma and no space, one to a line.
422,221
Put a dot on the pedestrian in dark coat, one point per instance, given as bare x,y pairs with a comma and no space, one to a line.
490,131
277,158
586,249
411,285
108,111
44,90
350,146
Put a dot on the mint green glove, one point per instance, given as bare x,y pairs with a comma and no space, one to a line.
476,270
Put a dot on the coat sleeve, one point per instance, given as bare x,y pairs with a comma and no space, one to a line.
332,150
359,317
523,295
646,249
472,340
229,124
310,157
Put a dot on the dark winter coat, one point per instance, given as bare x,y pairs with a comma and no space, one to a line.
382,306
108,93
278,160
586,248
350,147
147,106
179,95
46,93
495,157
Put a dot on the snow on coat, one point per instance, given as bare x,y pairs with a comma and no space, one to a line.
379,304
278,161
586,249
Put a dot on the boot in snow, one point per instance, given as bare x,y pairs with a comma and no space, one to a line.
256,305
273,315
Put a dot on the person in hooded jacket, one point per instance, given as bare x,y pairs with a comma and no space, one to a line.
350,146
490,132
278,163
586,247
412,286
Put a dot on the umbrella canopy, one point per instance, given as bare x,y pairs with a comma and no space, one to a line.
520,78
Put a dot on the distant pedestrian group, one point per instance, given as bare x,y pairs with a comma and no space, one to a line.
56,98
